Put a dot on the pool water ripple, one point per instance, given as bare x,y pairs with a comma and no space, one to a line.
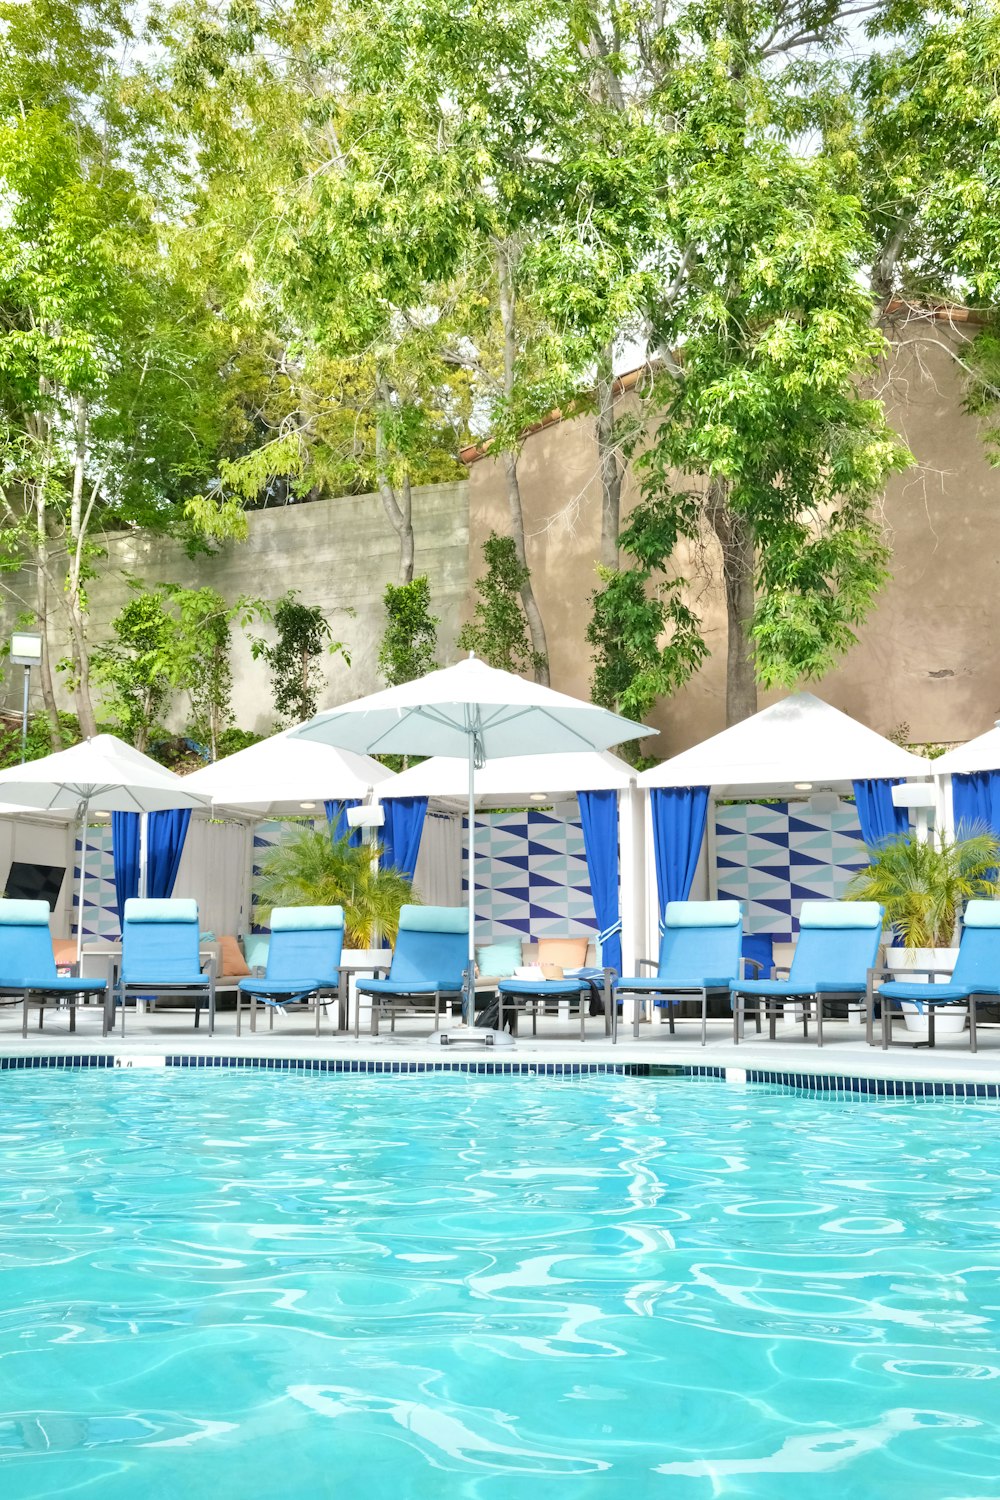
234,1285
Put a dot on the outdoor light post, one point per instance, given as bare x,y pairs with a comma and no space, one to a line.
26,652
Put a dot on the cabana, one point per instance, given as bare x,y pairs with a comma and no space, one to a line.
800,749
968,779
600,785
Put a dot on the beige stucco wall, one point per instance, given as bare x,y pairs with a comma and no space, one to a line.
927,655
338,553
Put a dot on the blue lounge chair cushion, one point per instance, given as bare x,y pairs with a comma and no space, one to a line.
24,913
433,919
702,914
447,986
933,994
786,988
982,914
306,918
647,985
168,909
61,985
542,986
281,986
840,914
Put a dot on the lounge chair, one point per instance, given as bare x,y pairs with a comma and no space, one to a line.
699,956
303,963
428,965
976,976
161,957
533,995
28,967
836,951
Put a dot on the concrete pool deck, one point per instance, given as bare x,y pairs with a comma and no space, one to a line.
151,1039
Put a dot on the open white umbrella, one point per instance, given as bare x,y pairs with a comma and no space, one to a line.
477,713
99,774
287,775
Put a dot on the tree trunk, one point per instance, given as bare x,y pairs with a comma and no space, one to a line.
536,627
78,526
607,455
42,613
505,255
736,543
398,509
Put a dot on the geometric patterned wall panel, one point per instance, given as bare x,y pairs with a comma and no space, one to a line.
100,912
772,858
531,876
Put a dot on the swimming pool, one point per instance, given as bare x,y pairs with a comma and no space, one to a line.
257,1286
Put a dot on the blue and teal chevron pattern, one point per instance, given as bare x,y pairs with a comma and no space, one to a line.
772,858
531,876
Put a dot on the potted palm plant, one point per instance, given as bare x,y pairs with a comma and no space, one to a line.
311,869
923,888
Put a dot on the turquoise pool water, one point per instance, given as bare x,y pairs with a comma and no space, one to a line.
506,1289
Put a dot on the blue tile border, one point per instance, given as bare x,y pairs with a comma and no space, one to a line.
824,1084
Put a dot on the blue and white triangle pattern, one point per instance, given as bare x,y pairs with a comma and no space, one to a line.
531,876
772,858
100,907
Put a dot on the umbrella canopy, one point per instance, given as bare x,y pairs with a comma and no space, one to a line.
287,775
100,773
542,778
799,740
980,754
477,713
470,704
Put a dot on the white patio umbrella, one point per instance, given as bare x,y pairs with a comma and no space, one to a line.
287,776
100,774
477,713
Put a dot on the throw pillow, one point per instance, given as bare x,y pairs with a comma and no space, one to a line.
564,952
499,960
231,960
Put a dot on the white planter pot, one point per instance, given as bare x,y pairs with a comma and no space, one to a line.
902,961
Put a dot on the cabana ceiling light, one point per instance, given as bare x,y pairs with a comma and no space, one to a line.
803,786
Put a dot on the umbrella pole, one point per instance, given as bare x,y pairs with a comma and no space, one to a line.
83,884
470,995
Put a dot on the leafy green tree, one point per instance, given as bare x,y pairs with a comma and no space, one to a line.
646,639
200,657
311,869
293,659
498,631
409,642
135,670
113,370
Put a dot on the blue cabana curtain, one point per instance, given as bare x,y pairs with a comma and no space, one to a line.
336,816
125,853
404,824
976,799
599,816
165,835
679,816
879,819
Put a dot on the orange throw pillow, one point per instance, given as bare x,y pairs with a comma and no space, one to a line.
231,960
564,953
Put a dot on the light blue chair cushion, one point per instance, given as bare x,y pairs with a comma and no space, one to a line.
160,944
434,919
24,913
702,914
174,911
543,987
278,991
398,988
840,914
784,988
499,960
930,994
696,954
982,914
60,985
306,918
